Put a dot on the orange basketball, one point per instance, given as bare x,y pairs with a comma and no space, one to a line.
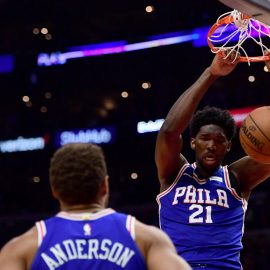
255,134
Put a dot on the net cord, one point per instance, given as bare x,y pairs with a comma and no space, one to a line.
244,27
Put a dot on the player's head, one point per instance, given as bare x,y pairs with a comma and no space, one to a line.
77,174
215,116
211,131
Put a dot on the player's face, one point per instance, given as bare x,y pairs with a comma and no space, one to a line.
211,146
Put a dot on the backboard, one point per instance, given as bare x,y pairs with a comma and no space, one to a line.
258,9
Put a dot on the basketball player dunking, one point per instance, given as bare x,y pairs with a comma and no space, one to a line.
85,234
202,205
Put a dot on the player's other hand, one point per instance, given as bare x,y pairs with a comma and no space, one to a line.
267,63
224,63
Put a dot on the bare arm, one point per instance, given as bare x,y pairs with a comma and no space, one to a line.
157,249
249,173
18,253
169,141
267,63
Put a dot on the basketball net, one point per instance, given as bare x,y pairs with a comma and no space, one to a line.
232,30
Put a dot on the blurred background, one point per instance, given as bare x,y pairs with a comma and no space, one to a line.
108,72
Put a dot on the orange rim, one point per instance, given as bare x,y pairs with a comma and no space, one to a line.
228,20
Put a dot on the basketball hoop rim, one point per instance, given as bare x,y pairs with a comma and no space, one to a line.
228,20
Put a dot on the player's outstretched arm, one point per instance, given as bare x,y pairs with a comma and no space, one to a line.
249,173
158,250
18,253
169,140
267,63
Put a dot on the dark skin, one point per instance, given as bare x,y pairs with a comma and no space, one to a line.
267,63
210,144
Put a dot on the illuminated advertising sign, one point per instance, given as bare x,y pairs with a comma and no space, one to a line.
238,114
149,126
6,63
96,136
22,144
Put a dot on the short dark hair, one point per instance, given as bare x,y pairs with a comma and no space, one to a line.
213,115
76,172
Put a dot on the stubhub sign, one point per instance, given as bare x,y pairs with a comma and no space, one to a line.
96,135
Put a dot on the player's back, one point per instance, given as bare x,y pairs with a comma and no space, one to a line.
100,241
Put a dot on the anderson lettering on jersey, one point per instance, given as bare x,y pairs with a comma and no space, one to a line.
71,249
98,241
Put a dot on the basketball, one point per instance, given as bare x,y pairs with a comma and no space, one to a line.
254,134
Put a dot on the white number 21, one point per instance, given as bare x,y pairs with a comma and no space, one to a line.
196,217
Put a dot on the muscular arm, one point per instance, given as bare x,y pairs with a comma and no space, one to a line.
169,141
157,249
249,173
267,63
19,252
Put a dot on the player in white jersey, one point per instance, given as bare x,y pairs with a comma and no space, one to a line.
202,204
86,234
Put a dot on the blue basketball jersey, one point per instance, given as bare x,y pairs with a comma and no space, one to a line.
204,218
97,241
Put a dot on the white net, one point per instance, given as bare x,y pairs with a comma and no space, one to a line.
231,32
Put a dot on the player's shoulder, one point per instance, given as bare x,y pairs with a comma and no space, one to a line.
149,234
20,249
157,248
29,236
